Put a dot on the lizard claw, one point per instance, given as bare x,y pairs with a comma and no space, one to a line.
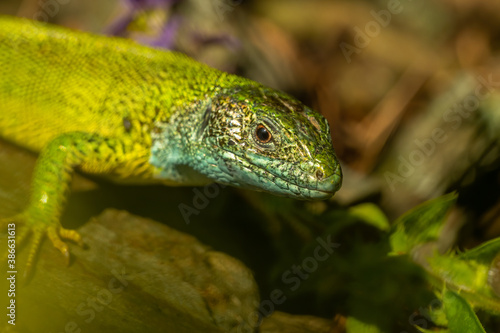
54,231
71,235
56,236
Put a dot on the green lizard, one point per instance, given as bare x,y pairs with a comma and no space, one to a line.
112,107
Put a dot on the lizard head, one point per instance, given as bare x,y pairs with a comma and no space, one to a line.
265,140
258,138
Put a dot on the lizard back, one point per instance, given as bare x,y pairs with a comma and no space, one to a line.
53,80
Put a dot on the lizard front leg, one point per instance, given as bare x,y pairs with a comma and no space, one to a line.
51,179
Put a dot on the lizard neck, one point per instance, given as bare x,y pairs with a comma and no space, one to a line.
177,147
183,144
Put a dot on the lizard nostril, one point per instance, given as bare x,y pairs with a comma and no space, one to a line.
319,174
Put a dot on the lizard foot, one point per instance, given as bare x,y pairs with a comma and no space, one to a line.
55,232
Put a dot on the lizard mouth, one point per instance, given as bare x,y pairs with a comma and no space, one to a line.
321,190
317,190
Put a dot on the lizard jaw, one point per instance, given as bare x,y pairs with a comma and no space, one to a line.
322,190
263,179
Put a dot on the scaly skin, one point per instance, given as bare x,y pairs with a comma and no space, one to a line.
111,107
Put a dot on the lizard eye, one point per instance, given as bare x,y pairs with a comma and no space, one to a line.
262,134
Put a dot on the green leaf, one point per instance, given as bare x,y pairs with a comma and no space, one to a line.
421,224
372,215
484,253
472,273
461,317
467,275
353,325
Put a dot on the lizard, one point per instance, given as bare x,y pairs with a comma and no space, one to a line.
111,107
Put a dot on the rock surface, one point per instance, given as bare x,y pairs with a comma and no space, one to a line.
135,275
